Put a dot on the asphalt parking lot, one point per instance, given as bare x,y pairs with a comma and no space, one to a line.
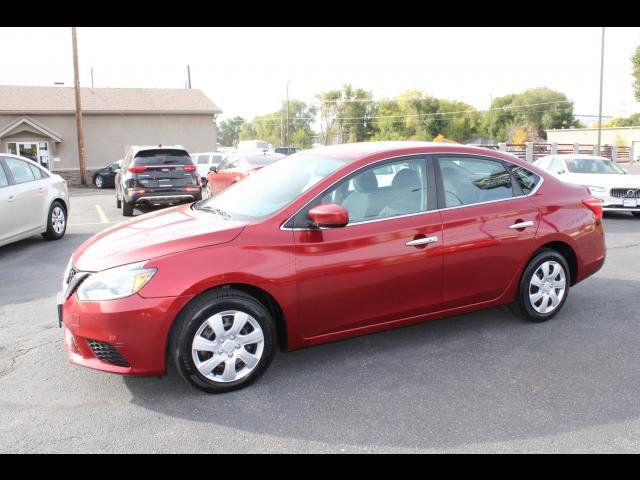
481,382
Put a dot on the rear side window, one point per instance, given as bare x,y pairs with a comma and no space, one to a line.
203,159
468,180
37,173
151,158
20,170
4,181
527,180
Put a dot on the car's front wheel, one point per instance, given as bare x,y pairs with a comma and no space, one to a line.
544,286
223,340
98,181
127,209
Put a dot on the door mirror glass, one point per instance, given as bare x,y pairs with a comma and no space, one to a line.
329,215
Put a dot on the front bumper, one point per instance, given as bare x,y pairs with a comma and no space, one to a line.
126,336
617,204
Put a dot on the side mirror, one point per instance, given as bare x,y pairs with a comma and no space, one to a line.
329,215
115,170
213,169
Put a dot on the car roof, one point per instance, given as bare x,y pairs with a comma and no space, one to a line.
22,158
141,148
574,156
357,151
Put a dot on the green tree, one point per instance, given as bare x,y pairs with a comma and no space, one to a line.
635,60
540,108
630,121
389,122
229,131
247,132
461,121
346,114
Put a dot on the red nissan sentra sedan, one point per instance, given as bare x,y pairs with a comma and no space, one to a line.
321,246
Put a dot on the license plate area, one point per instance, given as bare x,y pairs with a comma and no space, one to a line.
629,202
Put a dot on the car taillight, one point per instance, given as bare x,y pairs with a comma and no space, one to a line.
189,168
137,169
595,205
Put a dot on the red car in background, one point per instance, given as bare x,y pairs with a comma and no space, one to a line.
321,246
235,167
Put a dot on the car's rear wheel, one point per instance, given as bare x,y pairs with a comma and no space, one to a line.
98,181
127,209
56,221
223,340
544,287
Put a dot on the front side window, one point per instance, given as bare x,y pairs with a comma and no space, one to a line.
468,180
20,170
271,188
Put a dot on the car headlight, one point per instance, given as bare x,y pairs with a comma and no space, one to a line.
595,190
116,282
65,275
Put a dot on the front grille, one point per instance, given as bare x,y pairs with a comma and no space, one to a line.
107,353
625,192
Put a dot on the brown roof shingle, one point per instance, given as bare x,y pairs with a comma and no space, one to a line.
27,99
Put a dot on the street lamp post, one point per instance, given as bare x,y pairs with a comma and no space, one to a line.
600,108
288,142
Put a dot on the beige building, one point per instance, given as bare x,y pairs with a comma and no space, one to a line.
39,123
621,136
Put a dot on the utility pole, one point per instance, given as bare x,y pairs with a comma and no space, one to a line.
601,77
288,142
76,76
491,118
188,77
91,78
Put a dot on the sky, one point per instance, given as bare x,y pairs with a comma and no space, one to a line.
245,71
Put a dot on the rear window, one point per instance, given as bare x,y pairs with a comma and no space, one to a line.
162,157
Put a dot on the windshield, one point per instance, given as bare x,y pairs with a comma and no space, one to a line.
271,188
591,165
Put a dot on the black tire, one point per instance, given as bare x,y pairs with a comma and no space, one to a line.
522,306
127,209
118,201
51,233
98,181
191,318
636,214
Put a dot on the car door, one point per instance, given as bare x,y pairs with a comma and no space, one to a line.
8,219
488,222
27,202
385,265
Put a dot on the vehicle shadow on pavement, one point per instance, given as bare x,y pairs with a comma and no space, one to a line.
481,377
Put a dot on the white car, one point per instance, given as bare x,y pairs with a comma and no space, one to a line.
204,162
32,200
618,190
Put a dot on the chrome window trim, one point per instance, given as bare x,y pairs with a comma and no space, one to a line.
533,192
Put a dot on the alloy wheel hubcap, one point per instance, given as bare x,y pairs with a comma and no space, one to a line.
98,181
227,346
58,220
547,287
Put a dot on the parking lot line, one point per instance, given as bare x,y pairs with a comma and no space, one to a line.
89,223
103,217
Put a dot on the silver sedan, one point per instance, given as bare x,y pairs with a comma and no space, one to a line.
33,200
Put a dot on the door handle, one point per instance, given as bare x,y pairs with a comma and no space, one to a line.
421,241
519,225
11,198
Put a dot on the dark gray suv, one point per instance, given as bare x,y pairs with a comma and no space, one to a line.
156,175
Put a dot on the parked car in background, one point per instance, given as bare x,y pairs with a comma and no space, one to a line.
33,200
234,168
156,175
254,146
286,150
311,249
204,162
105,177
618,190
